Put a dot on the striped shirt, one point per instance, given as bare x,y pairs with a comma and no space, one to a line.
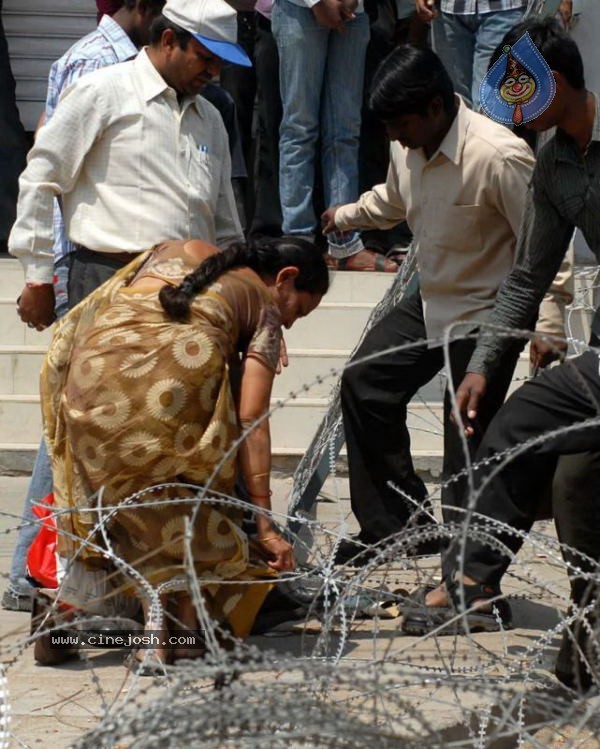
564,195
470,7
108,44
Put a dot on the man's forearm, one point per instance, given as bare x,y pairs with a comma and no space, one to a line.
516,306
32,237
373,210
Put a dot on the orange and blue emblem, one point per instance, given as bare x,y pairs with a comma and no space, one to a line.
519,86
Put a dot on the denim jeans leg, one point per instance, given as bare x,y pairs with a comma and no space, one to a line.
39,486
454,42
341,108
491,29
302,45
41,483
61,283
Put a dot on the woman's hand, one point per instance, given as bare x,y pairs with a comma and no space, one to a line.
280,551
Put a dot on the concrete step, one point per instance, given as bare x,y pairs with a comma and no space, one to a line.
20,419
293,424
15,333
333,325
311,372
20,369
345,287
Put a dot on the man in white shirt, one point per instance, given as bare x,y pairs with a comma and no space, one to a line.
136,156
116,39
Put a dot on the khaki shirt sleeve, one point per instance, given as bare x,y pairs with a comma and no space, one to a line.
551,319
380,208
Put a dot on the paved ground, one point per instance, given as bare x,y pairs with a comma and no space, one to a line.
51,707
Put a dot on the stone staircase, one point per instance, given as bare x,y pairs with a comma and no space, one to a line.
316,345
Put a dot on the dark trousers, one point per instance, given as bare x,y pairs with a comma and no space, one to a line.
258,102
267,209
375,395
240,83
566,396
88,270
575,505
576,510
13,142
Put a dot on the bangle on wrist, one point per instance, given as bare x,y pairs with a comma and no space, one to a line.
268,538
261,496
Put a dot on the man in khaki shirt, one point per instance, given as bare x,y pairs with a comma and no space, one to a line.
460,180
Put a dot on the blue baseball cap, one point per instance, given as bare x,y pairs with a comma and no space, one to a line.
213,23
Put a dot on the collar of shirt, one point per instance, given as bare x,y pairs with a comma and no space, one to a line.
153,84
124,48
451,146
567,149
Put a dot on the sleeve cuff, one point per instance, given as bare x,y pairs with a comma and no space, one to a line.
40,270
551,318
346,216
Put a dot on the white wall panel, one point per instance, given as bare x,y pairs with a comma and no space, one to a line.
39,32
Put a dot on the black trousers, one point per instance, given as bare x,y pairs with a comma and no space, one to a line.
258,102
566,396
375,395
13,142
88,270
576,510
267,210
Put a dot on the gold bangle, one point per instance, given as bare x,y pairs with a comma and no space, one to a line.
268,538
260,496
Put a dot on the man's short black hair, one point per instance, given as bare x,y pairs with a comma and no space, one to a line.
407,81
154,5
556,46
161,24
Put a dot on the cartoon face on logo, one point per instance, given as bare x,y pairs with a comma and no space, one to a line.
518,86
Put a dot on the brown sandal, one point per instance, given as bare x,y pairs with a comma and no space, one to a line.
365,260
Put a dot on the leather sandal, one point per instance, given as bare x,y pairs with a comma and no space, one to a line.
422,619
365,260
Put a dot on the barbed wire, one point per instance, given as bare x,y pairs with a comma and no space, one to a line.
345,675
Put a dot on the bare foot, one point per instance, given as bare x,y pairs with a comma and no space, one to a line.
438,597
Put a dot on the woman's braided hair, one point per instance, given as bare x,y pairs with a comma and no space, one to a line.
266,257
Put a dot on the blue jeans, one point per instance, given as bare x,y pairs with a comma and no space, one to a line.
41,483
321,78
465,45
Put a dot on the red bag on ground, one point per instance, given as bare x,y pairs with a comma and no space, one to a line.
42,559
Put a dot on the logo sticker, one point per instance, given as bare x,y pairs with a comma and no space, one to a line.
519,86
